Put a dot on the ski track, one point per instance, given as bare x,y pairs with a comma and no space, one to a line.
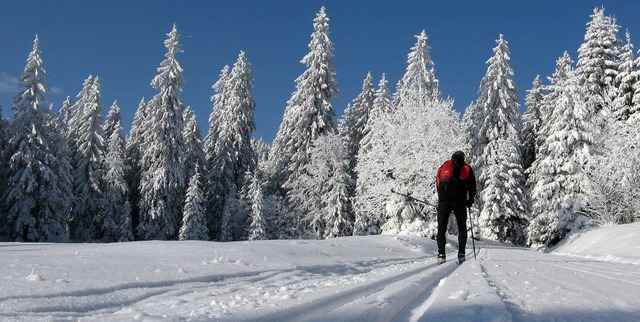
510,281
563,281
217,294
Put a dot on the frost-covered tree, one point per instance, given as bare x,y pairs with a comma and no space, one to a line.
309,113
88,151
381,106
194,153
615,194
114,122
231,155
558,179
402,150
352,125
598,59
532,120
3,173
116,224
37,198
219,100
625,82
499,167
258,225
320,193
194,222
66,113
163,179
372,146
133,157
419,79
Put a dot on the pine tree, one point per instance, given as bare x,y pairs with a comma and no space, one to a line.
309,113
65,113
419,78
88,162
37,198
113,122
3,174
369,219
193,143
532,120
210,149
625,82
116,224
258,225
558,179
133,156
194,222
320,193
598,59
232,154
163,179
352,125
499,168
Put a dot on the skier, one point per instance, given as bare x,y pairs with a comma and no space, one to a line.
456,186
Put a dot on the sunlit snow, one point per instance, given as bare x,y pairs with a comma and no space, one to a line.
591,277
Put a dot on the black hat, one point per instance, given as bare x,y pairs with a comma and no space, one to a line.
458,158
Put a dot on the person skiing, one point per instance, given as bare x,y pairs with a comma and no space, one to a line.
456,185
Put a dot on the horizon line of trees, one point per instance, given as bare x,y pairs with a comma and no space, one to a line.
570,161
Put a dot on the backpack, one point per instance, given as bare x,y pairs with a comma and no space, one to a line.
449,174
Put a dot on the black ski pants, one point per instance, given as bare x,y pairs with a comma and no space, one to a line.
460,211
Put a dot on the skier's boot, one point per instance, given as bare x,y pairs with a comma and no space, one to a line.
442,258
461,258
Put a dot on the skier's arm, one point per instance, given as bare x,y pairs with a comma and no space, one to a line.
471,185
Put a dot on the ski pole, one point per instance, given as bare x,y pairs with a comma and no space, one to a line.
473,239
413,198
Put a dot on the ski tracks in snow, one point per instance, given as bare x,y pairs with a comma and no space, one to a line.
503,284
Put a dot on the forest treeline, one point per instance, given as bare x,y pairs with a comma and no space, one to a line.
569,162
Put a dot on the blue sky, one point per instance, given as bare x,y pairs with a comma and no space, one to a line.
121,42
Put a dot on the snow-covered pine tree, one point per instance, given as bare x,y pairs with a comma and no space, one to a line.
532,120
65,114
625,82
193,143
381,105
320,193
88,164
352,126
558,180
116,224
113,122
368,207
163,181
598,59
4,234
194,221
133,156
37,198
258,225
232,154
309,113
213,200
419,79
499,167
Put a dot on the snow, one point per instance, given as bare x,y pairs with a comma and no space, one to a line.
593,276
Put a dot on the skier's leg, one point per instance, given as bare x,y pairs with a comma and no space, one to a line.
460,211
443,219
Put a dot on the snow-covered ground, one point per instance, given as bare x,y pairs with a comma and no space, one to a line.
592,277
